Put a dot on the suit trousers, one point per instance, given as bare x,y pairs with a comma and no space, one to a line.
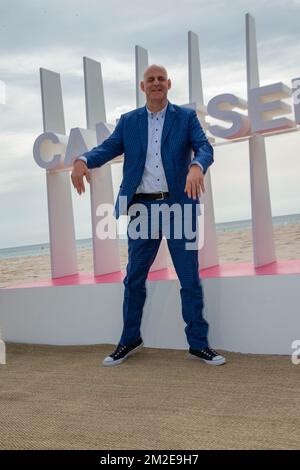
145,232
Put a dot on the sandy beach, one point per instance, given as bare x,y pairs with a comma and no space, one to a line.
233,247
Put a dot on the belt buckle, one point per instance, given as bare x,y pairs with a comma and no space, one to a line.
162,196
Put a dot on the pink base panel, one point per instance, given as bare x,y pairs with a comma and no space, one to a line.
224,270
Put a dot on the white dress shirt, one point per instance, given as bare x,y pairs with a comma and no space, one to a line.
154,178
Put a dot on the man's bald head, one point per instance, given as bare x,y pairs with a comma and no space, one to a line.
153,67
156,85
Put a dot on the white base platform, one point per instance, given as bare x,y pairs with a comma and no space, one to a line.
248,314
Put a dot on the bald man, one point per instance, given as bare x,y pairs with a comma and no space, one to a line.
157,141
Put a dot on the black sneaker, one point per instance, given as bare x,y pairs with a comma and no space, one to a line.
122,352
208,355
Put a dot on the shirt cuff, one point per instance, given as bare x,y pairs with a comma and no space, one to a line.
84,159
197,163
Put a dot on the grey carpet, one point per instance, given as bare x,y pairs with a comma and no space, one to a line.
63,398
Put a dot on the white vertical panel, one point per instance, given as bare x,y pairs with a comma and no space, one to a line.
60,208
208,255
262,225
94,93
141,63
52,102
106,255
195,77
61,223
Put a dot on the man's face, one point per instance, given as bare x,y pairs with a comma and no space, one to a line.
156,84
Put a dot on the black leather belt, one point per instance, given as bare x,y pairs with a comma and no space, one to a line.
150,196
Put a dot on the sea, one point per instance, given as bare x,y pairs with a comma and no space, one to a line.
86,243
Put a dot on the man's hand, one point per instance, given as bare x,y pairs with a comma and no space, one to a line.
79,171
194,182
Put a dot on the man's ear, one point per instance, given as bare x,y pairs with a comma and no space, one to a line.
169,84
142,85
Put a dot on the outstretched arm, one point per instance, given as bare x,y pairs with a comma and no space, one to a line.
110,148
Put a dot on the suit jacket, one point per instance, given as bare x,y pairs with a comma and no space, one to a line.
182,134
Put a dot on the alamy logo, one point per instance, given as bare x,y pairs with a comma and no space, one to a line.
174,221
296,91
296,354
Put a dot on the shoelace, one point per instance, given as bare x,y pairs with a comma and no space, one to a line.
209,352
118,351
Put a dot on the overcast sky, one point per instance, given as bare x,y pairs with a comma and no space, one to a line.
57,34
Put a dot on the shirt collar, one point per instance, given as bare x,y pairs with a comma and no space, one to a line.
160,113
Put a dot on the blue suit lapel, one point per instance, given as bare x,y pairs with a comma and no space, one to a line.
143,128
169,120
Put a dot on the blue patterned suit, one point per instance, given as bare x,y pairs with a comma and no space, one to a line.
181,134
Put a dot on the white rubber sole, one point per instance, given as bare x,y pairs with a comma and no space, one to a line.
119,361
217,362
